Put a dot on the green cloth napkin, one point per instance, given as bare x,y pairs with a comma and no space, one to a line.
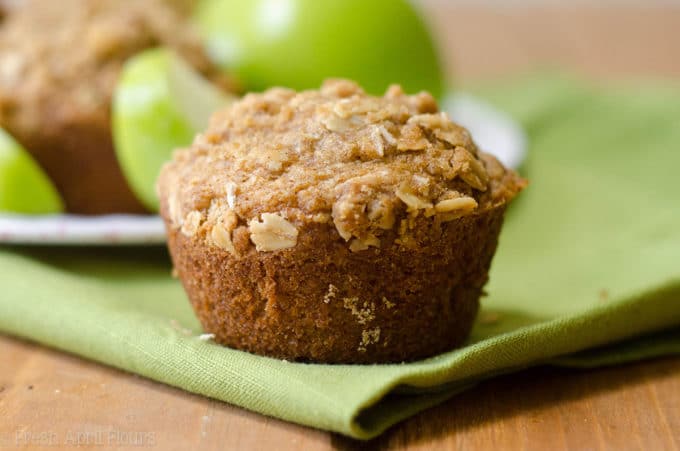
589,257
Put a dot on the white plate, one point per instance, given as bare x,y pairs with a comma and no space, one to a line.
82,230
493,130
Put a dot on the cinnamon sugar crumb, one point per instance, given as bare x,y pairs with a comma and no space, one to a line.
331,294
369,337
364,313
387,303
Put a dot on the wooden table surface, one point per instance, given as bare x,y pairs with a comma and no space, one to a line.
52,399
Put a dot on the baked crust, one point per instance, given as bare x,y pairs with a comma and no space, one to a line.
321,302
326,249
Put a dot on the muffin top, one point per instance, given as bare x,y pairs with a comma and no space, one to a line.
60,60
280,161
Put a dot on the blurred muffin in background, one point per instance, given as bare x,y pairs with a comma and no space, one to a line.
59,63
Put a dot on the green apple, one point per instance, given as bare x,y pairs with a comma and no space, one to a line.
298,43
159,105
24,187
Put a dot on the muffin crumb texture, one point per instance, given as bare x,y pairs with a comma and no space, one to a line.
281,160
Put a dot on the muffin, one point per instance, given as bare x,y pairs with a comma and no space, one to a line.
59,62
333,226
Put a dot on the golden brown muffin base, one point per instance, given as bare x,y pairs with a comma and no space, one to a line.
422,301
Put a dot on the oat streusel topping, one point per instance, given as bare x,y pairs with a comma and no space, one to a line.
279,160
